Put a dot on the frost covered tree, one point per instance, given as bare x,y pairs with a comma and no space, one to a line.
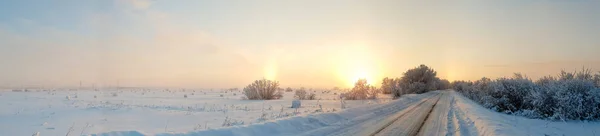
373,92
419,80
362,90
386,85
396,88
263,90
443,84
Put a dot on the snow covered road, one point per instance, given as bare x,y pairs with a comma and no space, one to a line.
409,122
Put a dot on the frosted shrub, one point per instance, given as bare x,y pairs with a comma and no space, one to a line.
301,94
289,89
417,80
396,89
515,91
263,90
573,100
362,90
387,85
570,96
416,87
311,96
442,84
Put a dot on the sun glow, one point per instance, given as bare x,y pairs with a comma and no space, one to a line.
357,63
270,71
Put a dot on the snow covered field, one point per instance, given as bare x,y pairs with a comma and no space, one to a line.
454,115
159,112
148,111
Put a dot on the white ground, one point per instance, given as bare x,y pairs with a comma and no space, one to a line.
167,113
148,111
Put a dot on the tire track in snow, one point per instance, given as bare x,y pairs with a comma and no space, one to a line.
462,125
436,123
411,121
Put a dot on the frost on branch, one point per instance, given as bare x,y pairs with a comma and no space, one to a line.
263,90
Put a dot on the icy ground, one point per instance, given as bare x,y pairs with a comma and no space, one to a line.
148,111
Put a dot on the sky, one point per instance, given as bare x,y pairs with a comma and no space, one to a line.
310,43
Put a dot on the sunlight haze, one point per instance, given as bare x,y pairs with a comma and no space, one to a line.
223,43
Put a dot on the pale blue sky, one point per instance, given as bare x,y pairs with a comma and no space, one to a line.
223,43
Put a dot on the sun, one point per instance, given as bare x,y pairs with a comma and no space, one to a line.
360,73
357,64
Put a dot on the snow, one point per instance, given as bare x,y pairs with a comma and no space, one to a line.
165,113
437,124
474,119
453,115
148,111
296,104
348,122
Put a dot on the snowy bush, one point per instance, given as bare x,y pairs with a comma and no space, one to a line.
289,89
442,84
263,90
362,90
301,94
570,96
311,96
417,80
